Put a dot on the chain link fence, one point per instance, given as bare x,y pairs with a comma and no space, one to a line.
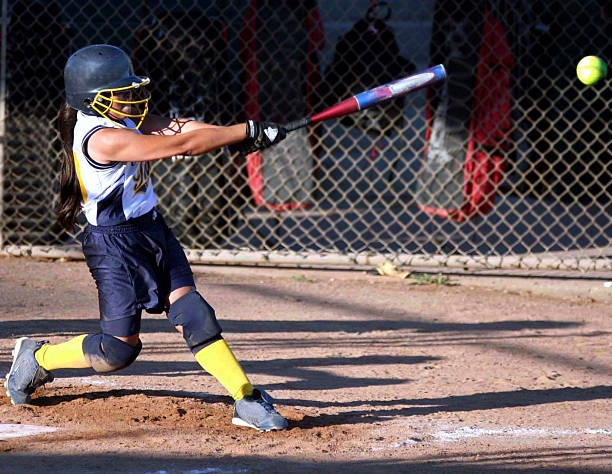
505,165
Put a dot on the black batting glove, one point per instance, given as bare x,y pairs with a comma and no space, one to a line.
244,147
260,135
264,134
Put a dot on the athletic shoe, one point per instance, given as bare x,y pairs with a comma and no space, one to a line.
256,411
26,375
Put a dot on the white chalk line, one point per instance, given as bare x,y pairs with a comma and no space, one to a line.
456,434
102,381
465,432
9,430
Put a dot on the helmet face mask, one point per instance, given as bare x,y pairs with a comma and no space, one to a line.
136,96
99,80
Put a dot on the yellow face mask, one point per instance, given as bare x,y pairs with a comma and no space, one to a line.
131,101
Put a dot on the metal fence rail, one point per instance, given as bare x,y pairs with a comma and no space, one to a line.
506,165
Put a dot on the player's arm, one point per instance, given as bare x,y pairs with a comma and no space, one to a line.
258,133
156,125
112,144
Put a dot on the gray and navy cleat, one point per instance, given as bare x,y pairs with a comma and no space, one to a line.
256,411
26,375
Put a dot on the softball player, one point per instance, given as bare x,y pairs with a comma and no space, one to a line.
134,258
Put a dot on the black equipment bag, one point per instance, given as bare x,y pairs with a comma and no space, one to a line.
367,56
186,56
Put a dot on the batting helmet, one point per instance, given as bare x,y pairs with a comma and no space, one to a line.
99,75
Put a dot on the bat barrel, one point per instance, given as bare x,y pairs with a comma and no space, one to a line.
439,72
375,96
401,87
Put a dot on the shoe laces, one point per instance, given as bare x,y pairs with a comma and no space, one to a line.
264,403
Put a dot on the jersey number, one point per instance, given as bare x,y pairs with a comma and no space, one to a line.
141,178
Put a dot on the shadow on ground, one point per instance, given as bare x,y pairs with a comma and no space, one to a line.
71,327
370,411
502,462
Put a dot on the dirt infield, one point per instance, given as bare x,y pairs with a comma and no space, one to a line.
485,374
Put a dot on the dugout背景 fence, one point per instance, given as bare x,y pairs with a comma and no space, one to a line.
505,165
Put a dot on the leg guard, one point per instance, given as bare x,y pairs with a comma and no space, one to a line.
197,318
107,353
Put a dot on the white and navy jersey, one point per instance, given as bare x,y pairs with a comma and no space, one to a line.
115,192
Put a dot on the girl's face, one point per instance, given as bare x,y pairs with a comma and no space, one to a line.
116,105
119,106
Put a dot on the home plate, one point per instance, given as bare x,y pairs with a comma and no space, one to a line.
17,431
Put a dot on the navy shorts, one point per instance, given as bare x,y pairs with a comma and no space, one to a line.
135,266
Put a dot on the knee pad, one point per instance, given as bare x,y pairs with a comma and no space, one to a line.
107,353
197,318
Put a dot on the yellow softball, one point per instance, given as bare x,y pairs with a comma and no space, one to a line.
591,69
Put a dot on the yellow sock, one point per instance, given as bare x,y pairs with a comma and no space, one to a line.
219,361
67,355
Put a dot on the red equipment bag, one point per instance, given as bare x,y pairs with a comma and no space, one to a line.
278,45
469,121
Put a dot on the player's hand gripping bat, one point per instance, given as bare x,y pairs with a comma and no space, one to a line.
375,96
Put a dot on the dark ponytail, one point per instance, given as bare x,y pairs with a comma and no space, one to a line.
69,202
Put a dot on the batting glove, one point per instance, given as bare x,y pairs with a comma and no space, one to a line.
260,135
244,147
264,134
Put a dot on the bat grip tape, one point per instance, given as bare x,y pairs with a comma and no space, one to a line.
297,124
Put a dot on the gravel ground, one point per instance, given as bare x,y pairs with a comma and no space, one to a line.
474,374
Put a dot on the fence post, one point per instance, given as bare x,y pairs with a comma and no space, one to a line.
2,112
